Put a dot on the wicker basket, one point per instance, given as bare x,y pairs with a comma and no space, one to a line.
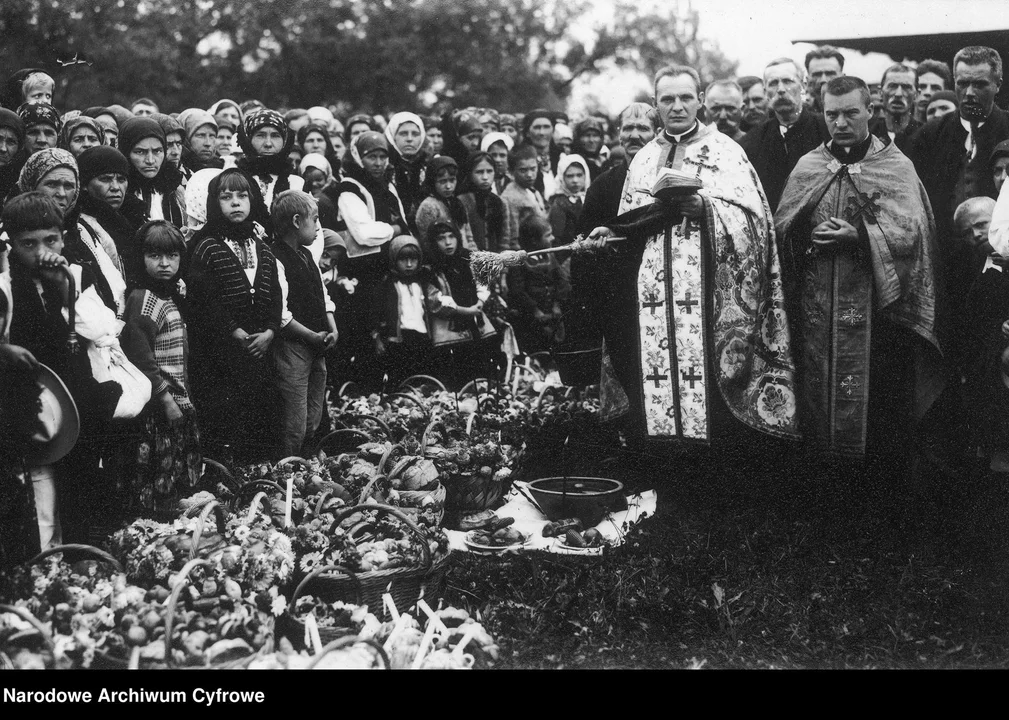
38,634
293,628
471,493
347,642
405,585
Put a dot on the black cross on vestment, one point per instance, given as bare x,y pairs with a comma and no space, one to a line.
655,377
690,377
863,207
701,161
652,301
686,303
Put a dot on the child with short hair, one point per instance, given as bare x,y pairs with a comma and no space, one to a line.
307,328
38,87
537,290
168,459
566,206
400,324
236,306
522,199
441,203
457,322
485,209
39,323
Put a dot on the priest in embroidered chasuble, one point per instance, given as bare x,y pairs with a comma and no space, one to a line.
858,251
699,342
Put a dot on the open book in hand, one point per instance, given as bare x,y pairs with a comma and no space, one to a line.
675,183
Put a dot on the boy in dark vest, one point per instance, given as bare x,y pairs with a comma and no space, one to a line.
307,326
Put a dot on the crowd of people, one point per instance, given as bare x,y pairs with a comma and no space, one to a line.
820,263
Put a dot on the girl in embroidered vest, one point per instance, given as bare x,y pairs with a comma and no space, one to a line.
168,459
441,203
457,322
236,310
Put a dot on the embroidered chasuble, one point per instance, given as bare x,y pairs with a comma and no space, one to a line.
711,322
841,296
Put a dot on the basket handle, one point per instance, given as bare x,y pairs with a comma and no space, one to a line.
31,620
263,485
77,547
344,642
475,384
346,513
173,600
412,398
322,500
426,378
427,432
319,571
212,506
377,420
338,433
293,460
260,500
229,478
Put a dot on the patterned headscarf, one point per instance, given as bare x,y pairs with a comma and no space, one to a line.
73,123
367,142
265,117
42,163
39,114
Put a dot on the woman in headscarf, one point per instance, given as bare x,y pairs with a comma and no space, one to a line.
407,158
13,153
538,132
107,121
227,109
266,142
54,173
314,138
370,215
357,124
80,133
155,186
589,139
104,174
199,141
461,133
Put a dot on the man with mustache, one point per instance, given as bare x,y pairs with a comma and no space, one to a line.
702,359
951,157
754,102
723,101
587,309
898,94
775,145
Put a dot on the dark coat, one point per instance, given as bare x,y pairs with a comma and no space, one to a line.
773,156
877,126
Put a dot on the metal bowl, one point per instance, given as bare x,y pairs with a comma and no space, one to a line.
587,498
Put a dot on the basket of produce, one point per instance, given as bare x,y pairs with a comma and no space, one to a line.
412,484
350,653
331,620
475,466
384,549
25,643
213,626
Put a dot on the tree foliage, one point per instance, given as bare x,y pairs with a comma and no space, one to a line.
377,55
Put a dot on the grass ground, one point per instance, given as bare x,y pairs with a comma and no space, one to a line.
788,566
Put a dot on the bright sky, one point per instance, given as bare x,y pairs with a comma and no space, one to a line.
755,31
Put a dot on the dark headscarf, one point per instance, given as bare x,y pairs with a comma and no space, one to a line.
455,268
92,163
456,210
329,153
39,114
387,203
357,120
9,173
490,210
166,182
14,92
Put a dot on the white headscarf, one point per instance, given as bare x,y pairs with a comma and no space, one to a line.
491,138
399,119
318,161
563,164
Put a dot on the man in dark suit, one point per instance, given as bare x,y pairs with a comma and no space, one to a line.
774,146
951,155
897,125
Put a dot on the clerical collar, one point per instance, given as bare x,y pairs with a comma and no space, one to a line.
849,155
679,138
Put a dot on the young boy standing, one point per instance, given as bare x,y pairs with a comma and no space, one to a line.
307,326
521,198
